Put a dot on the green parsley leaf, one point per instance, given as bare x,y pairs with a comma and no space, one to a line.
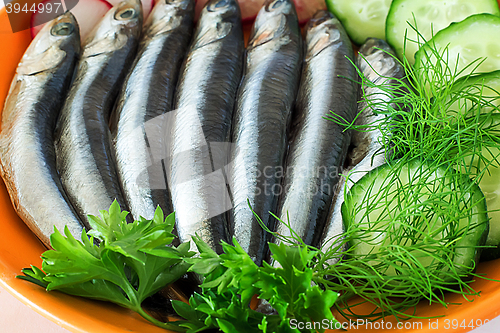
233,268
34,275
232,278
132,262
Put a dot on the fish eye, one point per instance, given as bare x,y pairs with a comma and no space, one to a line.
125,14
62,29
275,4
218,5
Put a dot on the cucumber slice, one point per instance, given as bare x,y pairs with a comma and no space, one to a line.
483,88
490,186
411,209
429,17
361,18
461,43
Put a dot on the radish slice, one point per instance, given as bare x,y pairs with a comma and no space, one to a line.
249,8
198,7
147,6
307,8
87,13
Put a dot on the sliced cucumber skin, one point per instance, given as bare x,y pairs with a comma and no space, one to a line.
488,80
466,89
476,237
361,19
473,38
490,183
401,11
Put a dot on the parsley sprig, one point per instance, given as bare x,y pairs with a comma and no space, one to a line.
132,261
232,278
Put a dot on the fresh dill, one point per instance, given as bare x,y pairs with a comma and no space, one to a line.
410,235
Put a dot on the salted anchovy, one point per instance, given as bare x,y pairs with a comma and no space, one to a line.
146,95
28,162
318,147
83,139
262,118
377,63
204,103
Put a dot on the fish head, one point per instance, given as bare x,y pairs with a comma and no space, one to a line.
376,58
183,4
220,10
222,7
275,6
167,15
217,20
322,31
320,17
374,45
274,20
111,33
63,31
51,44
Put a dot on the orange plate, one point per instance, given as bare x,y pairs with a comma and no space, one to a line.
19,248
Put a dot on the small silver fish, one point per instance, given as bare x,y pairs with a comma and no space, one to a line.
262,118
318,147
201,122
83,139
146,96
28,163
376,62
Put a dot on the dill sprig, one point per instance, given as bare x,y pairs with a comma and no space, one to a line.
413,239
445,120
